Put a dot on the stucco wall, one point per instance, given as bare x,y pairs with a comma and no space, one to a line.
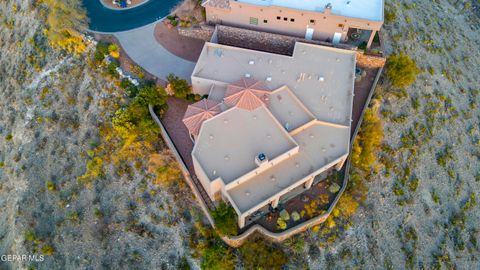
325,24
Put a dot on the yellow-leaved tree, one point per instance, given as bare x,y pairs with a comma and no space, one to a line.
66,20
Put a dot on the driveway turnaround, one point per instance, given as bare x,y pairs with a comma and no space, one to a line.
107,20
142,47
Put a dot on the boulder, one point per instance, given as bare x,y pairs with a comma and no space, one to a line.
284,215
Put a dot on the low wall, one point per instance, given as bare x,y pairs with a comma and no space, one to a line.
370,61
183,167
204,32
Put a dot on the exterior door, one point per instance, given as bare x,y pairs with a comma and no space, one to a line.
336,38
309,33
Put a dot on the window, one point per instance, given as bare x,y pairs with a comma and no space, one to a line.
265,21
292,19
253,21
278,18
285,18
340,25
312,21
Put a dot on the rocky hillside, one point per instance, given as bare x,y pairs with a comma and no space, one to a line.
52,105
422,210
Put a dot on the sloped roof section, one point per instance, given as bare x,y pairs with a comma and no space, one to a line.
247,94
198,112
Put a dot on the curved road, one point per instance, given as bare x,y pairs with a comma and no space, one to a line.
103,19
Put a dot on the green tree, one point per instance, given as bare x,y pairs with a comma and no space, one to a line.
402,71
66,20
368,141
225,219
180,87
258,255
218,257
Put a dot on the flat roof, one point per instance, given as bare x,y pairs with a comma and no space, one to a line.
288,110
320,144
322,78
362,9
227,145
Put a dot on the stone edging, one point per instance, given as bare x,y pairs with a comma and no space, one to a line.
120,9
183,167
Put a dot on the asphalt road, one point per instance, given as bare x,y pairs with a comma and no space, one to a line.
103,19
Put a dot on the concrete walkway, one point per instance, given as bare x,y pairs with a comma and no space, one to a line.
142,47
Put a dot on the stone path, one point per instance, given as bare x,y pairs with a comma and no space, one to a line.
142,47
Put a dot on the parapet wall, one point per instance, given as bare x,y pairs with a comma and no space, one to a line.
204,32
370,61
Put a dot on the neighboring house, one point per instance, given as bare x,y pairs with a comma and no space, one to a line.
326,20
271,124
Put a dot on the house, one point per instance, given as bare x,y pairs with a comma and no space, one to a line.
272,124
326,20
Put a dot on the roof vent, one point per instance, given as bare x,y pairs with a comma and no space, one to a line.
225,121
227,158
269,79
247,75
261,159
211,137
321,78
297,165
247,193
214,172
329,6
272,178
251,62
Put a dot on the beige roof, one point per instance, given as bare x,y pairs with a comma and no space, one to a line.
288,109
247,94
198,112
319,147
303,127
228,144
320,77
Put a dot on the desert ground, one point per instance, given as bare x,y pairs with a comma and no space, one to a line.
419,213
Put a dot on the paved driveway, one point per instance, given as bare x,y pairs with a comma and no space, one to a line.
142,47
103,19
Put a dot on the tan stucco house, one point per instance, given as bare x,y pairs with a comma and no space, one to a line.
271,123
325,20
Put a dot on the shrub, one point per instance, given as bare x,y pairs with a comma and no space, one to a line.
368,141
218,257
101,50
180,87
48,250
66,20
129,87
9,137
402,71
51,186
258,255
225,219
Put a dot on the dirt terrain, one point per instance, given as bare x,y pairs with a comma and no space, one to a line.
51,106
430,230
